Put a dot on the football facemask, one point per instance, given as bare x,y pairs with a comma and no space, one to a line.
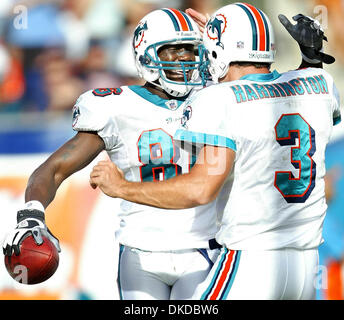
168,27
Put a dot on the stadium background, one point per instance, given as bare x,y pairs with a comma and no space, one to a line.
53,50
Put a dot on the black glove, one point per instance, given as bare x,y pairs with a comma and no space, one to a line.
309,35
29,221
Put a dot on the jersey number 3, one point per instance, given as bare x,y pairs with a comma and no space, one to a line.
293,130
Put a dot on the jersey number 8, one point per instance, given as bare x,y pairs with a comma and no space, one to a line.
158,155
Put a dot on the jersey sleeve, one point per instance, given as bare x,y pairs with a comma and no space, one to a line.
205,121
91,113
334,93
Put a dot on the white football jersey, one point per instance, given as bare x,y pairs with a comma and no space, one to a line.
278,125
137,128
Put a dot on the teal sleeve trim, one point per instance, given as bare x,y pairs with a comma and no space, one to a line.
202,138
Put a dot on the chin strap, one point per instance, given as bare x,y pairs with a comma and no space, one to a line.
174,93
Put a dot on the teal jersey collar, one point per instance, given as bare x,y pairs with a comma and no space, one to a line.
172,104
261,76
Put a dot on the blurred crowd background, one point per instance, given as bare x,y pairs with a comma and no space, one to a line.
51,51
65,47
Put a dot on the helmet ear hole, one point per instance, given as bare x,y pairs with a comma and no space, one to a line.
144,60
214,54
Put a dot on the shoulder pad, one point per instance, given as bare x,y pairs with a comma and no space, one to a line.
89,113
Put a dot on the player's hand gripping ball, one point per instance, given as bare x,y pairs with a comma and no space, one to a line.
35,263
31,250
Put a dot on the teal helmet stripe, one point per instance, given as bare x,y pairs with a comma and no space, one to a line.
253,25
173,18
187,20
267,32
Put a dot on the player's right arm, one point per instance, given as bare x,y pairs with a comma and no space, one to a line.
43,183
198,187
88,119
74,155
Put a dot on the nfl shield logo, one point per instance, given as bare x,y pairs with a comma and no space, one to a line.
171,104
240,45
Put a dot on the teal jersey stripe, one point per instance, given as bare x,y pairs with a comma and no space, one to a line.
203,138
173,18
253,25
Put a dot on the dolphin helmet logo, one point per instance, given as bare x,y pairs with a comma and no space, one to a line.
139,34
216,27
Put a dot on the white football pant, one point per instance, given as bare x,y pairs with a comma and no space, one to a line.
261,275
172,275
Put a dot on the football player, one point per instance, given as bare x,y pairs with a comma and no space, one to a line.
134,125
164,254
267,129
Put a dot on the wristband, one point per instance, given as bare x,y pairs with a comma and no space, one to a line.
33,205
312,61
31,209
309,60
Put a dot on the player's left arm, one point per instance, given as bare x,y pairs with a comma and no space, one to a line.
198,187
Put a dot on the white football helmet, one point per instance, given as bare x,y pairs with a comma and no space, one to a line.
238,32
162,27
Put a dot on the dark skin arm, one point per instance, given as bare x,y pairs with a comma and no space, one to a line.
73,156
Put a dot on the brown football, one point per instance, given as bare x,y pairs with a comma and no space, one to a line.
35,263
